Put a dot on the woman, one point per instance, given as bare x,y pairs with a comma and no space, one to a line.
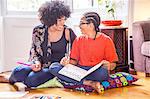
88,50
49,44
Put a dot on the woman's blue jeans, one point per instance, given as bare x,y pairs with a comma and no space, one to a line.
98,75
30,78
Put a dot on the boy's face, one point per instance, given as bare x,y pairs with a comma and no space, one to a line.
83,25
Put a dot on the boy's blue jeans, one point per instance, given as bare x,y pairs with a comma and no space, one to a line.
27,76
98,75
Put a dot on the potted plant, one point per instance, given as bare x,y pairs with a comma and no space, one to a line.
110,8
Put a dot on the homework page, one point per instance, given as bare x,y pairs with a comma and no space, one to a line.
94,68
73,72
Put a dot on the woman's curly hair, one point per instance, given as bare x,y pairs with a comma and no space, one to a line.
50,11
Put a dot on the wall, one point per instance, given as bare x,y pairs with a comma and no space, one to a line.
138,11
1,43
141,10
16,40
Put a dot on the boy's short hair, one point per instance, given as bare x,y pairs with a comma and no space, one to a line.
94,17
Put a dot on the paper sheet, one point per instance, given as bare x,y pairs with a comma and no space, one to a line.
12,95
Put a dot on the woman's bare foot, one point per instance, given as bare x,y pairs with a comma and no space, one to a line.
19,86
94,84
4,78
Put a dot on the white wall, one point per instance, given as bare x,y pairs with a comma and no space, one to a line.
138,11
141,10
16,40
1,43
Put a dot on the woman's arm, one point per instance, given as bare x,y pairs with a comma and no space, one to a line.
70,35
36,50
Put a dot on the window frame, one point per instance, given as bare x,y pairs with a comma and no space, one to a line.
3,7
6,12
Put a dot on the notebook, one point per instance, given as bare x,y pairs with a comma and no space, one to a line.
76,72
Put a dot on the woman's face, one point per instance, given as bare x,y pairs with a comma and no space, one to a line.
60,23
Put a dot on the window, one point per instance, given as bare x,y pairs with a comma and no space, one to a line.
24,5
33,5
113,9
81,6
84,4
78,6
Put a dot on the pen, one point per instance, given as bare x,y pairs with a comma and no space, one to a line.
67,54
24,63
27,64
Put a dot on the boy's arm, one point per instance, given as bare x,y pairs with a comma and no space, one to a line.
112,66
109,65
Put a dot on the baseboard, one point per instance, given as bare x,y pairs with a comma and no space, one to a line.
122,69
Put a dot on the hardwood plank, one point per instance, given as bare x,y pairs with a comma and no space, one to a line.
140,89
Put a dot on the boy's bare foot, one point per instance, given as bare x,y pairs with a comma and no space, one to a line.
4,78
94,84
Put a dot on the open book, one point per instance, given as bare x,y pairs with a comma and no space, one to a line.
76,72
44,96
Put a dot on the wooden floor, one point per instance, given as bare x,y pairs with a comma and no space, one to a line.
140,90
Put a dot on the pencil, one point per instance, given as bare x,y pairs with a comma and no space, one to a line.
24,63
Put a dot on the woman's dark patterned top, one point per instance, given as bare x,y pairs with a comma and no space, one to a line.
48,52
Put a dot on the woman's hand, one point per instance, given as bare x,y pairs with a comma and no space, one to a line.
36,66
64,61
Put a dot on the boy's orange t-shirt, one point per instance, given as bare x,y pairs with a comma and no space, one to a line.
89,52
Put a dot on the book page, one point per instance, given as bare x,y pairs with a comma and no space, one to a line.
94,68
76,72
45,96
73,72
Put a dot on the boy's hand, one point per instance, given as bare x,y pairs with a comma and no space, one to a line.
64,61
106,64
